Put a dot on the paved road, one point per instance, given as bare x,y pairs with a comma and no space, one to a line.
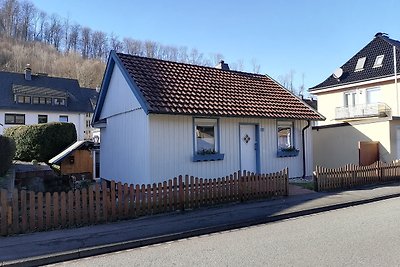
366,235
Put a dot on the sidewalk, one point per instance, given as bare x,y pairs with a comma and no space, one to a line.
60,245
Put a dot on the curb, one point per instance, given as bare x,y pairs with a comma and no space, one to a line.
109,248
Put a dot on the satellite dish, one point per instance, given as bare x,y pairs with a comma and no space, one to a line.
337,73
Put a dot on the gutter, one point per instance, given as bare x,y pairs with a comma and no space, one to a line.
304,147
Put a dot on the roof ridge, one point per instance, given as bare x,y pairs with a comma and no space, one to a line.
190,64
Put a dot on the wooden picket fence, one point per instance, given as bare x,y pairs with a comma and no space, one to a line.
352,175
27,211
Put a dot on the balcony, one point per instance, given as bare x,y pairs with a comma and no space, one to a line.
363,111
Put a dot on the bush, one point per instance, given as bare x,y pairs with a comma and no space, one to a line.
7,152
41,141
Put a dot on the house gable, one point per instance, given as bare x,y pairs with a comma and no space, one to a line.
119,98
117,77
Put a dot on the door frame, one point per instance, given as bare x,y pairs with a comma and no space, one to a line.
257,136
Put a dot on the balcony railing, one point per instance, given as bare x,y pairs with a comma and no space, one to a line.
363,111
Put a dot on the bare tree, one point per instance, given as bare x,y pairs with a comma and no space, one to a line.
255,66
73,38
115,43
9,17
27,14
98,45
39,26
85,42
133,47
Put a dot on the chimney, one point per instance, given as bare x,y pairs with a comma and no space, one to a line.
28,72
222,65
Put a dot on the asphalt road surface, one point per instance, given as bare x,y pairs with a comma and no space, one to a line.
366,235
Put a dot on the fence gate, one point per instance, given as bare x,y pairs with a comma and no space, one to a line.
368,152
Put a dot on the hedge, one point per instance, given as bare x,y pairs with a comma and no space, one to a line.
7,152
41,141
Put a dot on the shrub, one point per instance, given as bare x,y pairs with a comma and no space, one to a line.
41,141
7,152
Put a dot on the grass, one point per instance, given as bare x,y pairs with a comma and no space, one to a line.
308,185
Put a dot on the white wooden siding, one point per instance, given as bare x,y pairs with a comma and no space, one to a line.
31,117
124,148
171,148
119,98
124,141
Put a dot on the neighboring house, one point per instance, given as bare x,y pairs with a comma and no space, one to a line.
360,101
27,98
159,119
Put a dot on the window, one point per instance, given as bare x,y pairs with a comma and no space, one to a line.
350,99
285,135
48,101
24,99
59,101
35,100
373,95
87,124
360,64
63,118
378,61
14,119
205,137
42,118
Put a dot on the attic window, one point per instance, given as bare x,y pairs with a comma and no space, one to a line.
378,61
360,64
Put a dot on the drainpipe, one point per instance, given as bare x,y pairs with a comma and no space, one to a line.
395,79
304,147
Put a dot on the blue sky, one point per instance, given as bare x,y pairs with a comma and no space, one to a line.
313,37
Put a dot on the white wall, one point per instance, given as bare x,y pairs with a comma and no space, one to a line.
124,141
31,117
171,148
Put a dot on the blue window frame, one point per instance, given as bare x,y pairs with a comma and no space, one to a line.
206,139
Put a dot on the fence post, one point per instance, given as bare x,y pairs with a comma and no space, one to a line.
182,191
240,182
315,176
286,178
380,170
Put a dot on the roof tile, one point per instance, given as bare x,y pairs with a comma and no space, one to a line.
170,87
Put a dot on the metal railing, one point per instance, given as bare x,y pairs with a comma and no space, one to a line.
363,111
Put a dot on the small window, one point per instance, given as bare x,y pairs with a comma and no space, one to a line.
35,100
14,119
87,124
24,99
206,136
48,101
360,64
63,118
285,135
42,118
350,99
59,101
378,61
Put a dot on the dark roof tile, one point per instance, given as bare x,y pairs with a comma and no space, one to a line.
79,99
380,45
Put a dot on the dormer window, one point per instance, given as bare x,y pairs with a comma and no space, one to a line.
360,64
378,61
59,101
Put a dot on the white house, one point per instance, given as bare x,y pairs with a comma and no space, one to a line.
361,103
27,99
159,119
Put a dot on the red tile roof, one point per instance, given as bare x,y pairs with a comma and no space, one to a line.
178,88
